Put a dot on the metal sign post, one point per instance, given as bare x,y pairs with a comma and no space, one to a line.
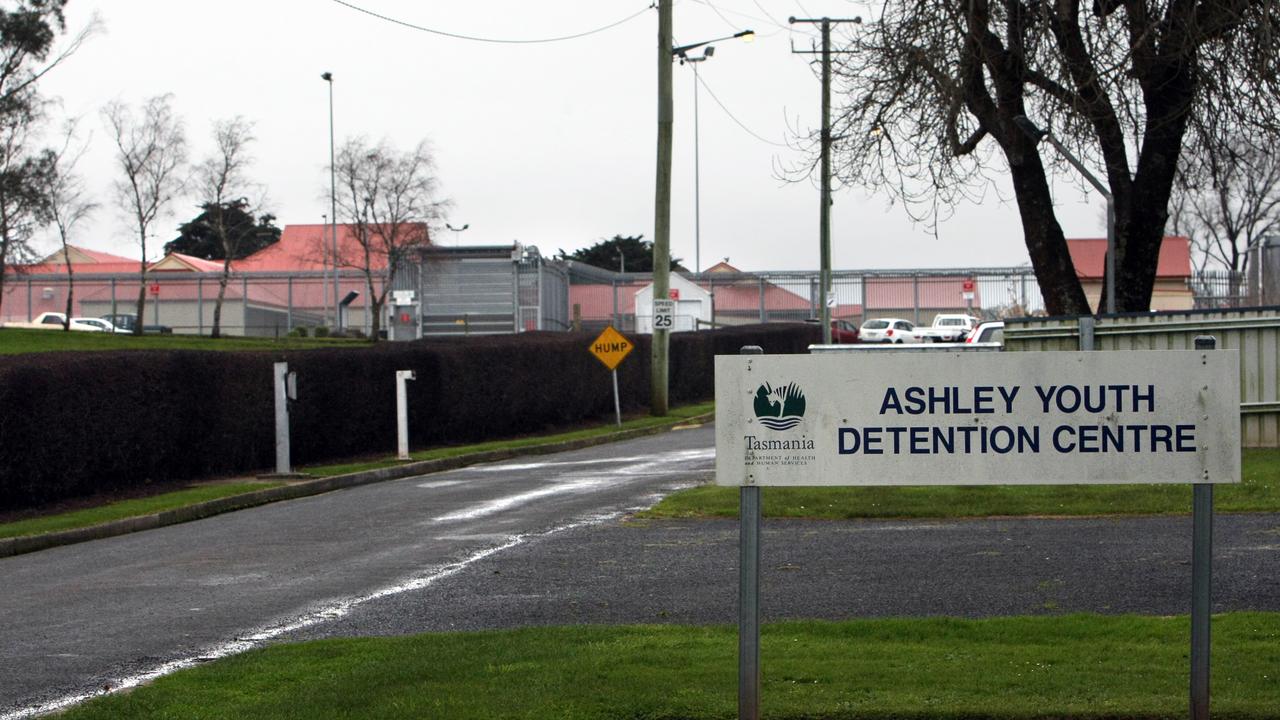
749,593
611,348
1201,574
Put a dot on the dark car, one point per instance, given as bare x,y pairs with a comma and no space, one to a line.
126,322
842,331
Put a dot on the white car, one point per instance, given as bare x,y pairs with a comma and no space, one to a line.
950,328
888,330
92,325
988,332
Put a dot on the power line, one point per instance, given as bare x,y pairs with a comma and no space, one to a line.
734,118
473,38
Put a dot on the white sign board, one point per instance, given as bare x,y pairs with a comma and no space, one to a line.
950,418
664,314
402,297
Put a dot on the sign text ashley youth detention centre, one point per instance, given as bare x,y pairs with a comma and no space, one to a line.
969,419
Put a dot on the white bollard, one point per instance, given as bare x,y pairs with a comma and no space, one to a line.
286,389
402,413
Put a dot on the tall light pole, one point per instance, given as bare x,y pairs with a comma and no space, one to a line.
697,170
1036,134
457,231
333,199
682,53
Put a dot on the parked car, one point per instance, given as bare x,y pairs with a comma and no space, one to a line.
950,328
126,322
889,330
92,325
987,332
843,332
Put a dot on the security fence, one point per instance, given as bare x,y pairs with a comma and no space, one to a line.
512,288
463,291
600,297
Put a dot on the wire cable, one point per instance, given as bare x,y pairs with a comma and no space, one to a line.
505,41
734,118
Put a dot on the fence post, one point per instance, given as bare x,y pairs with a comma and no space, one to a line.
749,593
763,314
30,315
113,296
915,297
1086,332
244,301
289,300
200,306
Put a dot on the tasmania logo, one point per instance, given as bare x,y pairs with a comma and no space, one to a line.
780,408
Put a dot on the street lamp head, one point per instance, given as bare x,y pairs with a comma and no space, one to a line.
1029,128
681,51
326,76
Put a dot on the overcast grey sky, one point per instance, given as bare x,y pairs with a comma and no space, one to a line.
550,144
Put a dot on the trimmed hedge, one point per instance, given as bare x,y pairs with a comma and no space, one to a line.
72,424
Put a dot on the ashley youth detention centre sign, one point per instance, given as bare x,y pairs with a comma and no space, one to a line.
978,419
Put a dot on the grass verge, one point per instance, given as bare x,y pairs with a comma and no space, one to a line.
1259,491
636,423
1079,666
135,507
17,341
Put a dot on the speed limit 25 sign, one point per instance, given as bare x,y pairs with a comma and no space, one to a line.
664,314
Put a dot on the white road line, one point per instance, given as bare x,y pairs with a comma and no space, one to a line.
502,467
323,613
439,484
579,483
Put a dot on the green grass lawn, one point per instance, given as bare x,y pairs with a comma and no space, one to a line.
128,508
17,341
1078,666
1259,491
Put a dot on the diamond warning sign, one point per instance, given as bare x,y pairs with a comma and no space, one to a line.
611,348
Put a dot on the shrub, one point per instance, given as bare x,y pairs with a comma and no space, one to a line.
298,332
321,331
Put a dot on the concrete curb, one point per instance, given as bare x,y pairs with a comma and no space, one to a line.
32,543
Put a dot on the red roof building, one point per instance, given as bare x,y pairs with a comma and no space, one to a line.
1173,269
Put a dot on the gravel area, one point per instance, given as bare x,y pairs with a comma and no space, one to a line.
686,572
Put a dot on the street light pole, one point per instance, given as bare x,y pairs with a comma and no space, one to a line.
697,170
662,198
333,200
1036,134
457,231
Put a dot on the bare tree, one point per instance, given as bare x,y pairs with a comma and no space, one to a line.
152,151
69,203
223,186
1226,200
932,91
389,199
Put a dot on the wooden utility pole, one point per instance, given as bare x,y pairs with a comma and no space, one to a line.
824,210
662,212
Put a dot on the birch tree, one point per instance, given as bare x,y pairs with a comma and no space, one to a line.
151,152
